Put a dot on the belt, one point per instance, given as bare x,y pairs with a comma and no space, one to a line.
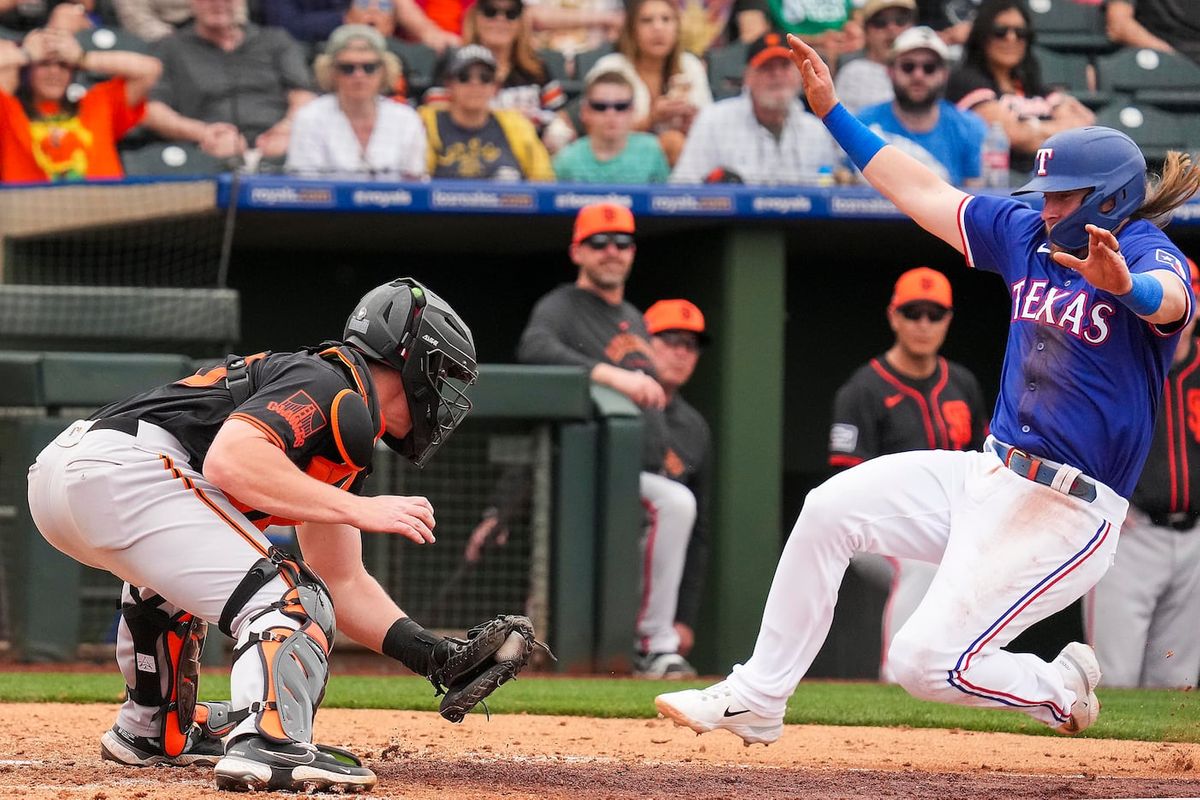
1179,520
1039,471
127,425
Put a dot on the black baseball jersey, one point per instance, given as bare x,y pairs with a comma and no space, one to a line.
574,327
1170,481
879,411
318,406
689,460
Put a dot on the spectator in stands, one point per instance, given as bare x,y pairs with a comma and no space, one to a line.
306,20
951,19
502,26
386,16
355,128
21,16
379,14
435,23
918,71
575,26
470,139
612,152
151,20
864,81
227,83
45,135
670,85
828,25
1000,80
764,135
705,24
1167,25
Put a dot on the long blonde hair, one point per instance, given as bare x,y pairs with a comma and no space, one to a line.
627,43
523,56
1180,180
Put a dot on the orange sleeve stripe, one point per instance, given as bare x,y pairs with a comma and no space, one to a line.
262,426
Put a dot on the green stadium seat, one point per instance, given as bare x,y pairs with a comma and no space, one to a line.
171,158
11,35
587,59
90,380
20,379
1155,131
726,66
1161,79
556,64
1068,72
420,63
1070,25
111,39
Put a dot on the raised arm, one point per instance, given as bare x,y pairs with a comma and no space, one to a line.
927,199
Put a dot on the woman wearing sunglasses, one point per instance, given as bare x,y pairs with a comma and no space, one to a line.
670,85
49,135
354,127
1001,81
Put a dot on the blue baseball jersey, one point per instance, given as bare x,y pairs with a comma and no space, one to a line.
1082,375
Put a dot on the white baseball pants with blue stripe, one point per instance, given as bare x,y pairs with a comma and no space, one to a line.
1010,552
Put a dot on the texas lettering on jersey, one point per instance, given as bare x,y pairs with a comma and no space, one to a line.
1076,312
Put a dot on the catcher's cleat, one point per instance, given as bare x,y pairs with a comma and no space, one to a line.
145,751
705,710
253,763
670,666
1081,672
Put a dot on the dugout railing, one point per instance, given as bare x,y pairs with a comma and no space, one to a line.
569,560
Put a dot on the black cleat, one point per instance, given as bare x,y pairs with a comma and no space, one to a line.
253,763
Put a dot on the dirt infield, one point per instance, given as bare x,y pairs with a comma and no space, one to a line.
50,751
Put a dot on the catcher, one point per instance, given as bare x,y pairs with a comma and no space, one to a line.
170,490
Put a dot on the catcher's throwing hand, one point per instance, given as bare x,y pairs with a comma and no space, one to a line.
470,669
1104,267
411,517
818,83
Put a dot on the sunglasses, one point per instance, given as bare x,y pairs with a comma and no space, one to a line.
912,313
491,12
909,67
1003,31
680,339
899,20
619,106
484,76
599,241
369,68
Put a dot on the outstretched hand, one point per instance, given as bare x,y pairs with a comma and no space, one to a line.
818,82
1104,267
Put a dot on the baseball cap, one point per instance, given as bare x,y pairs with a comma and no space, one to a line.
922,284
766,47
676,315
921,37
602,218
470,54
873,7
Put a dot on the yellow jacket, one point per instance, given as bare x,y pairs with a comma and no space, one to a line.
523,140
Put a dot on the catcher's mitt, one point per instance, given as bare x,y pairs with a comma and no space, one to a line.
471,669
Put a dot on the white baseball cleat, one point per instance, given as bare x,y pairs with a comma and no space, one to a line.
705,710
1081,671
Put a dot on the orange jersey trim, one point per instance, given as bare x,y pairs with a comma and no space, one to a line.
266,429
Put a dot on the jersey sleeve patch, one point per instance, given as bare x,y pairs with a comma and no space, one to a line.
302,415
843,437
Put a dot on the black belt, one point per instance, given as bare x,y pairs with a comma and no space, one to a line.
1038,471
123,424
1179,520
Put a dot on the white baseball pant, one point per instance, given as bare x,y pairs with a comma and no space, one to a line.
671,514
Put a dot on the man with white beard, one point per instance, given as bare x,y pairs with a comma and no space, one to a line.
762,136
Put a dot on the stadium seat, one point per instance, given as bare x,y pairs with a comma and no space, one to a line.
1162,79
1070,25
1155,131
1069,72
556,64
111,39
587,59
170,158
725,68
10,35
420,63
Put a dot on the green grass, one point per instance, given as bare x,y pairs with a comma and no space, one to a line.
1128,713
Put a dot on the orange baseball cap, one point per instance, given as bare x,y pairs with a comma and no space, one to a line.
922,284
602,218
675,315
766,47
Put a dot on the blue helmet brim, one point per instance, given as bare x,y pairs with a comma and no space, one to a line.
1055,183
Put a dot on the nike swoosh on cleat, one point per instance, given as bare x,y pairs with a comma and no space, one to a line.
729,713
307,758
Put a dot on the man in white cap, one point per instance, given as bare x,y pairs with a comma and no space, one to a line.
918,112
864,81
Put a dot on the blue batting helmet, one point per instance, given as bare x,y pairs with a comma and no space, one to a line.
1101,159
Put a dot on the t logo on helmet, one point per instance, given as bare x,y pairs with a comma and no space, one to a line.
1043,155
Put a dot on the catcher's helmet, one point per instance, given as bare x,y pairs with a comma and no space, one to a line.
1101,159
406,326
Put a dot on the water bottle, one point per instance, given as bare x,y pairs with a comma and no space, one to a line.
995,157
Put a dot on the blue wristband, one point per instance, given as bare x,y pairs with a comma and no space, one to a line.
1146,295
860,142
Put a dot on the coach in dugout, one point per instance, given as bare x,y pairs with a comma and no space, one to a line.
909,398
